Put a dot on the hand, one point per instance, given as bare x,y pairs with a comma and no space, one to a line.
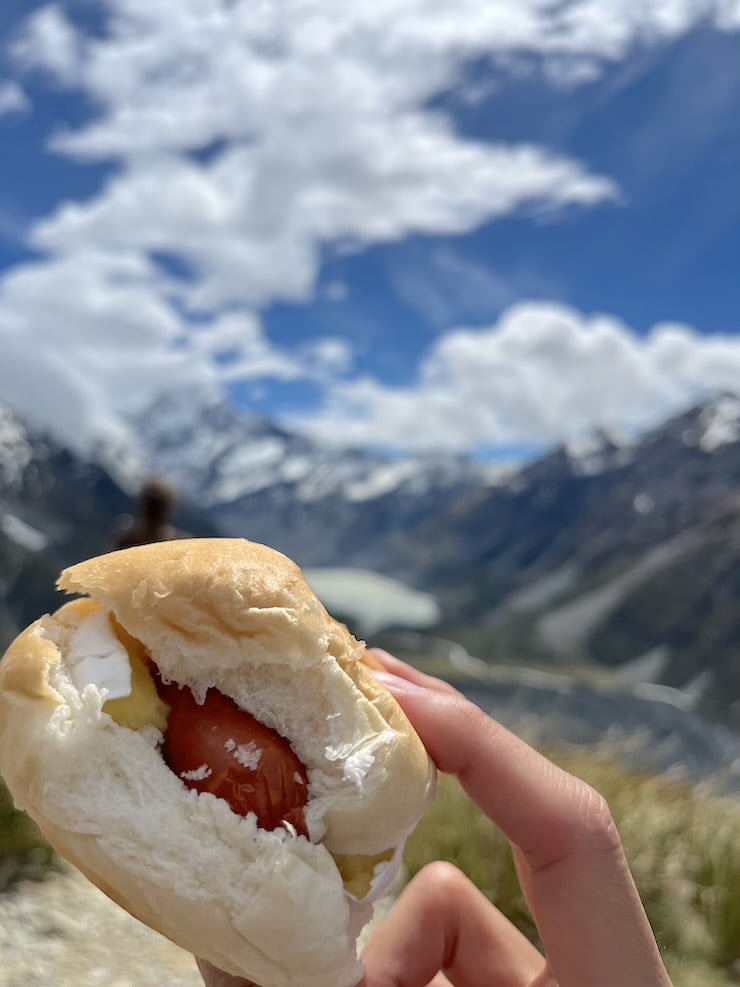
568,855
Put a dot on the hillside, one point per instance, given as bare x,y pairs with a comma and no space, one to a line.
613,553
56,508
609,551
629,557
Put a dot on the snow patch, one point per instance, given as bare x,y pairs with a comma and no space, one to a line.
15,449
23,534
721,424
643,503
244,470
500,474
597,452
383,480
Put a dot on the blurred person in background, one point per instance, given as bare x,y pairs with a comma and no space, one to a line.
152,522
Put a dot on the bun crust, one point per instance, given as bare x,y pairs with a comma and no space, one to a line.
238,617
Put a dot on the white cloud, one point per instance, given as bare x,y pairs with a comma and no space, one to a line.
79,336
249,136
544,373
50,42
447,287
100,301
329,357
13,99
323,359
51,392
728,15
316,121
87,337
316,114
251,223
234,65
252,356
230,333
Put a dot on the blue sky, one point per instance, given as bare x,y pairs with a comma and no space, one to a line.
384,224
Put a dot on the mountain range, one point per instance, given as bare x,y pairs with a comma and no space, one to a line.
616,553
320,504
621,555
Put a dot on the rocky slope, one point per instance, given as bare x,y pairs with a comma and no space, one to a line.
630,554
56,508
64,931
606,551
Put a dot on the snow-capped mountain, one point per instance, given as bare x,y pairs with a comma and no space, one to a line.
56,507
49,495
612,552
635,561
717,424
220,455
598,452
321,504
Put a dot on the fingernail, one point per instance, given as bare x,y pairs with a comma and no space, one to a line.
380,654
394,683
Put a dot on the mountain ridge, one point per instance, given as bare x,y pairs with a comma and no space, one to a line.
610,551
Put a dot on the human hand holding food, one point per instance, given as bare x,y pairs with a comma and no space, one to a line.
570,861
568,855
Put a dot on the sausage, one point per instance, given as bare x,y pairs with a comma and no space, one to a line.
217,747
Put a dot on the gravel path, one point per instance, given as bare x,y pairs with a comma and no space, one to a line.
64,932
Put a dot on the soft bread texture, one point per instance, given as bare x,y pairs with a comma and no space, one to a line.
231,615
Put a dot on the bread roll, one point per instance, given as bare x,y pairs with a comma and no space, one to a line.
82,725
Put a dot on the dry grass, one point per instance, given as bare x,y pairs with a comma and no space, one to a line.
683,847
23,850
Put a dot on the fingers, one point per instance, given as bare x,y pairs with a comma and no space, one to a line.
385,664
574,872
443,930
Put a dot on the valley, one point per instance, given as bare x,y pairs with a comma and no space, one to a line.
616,557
